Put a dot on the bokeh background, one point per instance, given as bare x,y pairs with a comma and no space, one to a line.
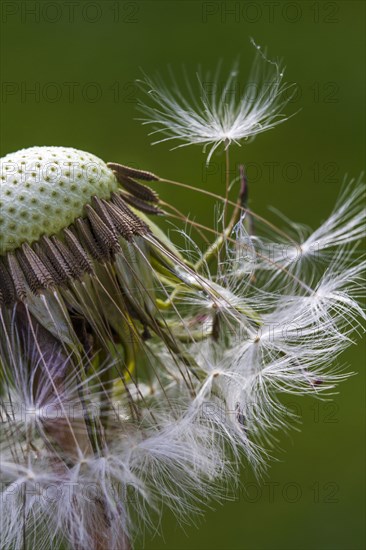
68,72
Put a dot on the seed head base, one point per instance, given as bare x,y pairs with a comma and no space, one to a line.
58,260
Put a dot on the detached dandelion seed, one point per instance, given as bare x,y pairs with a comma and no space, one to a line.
136,374
219,116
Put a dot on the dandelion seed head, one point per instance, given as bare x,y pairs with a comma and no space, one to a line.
136,375
44,189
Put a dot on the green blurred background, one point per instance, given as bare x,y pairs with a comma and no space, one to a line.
68,73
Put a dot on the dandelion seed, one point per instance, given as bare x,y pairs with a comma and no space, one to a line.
219,116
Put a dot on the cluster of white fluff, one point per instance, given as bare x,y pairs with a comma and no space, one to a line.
195,423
